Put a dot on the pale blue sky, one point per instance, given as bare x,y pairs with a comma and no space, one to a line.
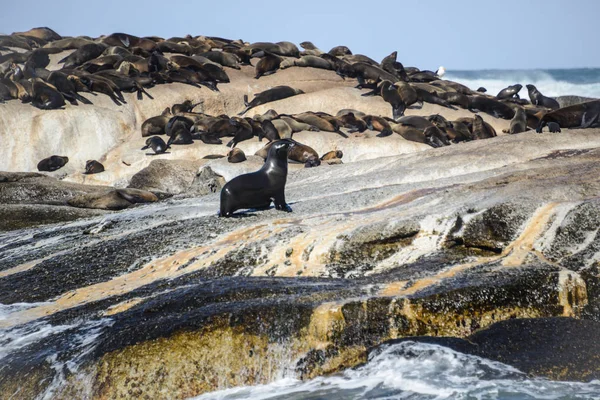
461,34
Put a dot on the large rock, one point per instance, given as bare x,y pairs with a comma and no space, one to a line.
443,242
167,176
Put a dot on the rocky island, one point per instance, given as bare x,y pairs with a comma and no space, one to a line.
423,211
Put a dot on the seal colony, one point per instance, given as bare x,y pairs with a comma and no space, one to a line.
122,63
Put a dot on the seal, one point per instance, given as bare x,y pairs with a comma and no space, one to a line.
93,167
156,125
377,123
244,132
269,131
267,65
45,96
66,87
509,92
52,163
269,95
519,122
538,99
340,51
258,189
283,129
298,126
490,106
584,115
481,130
390,94
352,123
307,61
236,155
332,155
157,144
553,127
435,137
185,107
85,53
299,153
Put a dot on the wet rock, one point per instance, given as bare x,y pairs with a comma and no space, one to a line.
19,216
492,229
556,348
362,249
34,188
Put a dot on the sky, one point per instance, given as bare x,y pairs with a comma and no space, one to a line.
460,34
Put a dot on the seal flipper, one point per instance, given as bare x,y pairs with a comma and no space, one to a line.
587,123
81,98
540,126
246,100
280,203
342,134
245,110
398,112
371,93
384,133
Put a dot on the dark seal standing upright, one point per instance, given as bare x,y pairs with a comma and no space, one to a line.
258,189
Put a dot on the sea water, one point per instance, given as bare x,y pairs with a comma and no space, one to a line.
583,82
415,371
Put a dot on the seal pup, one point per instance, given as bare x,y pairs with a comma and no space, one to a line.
269,95
258,189
553,127
185,107
157,144
481,130
93,167
538,99
52,163
332,155
236,155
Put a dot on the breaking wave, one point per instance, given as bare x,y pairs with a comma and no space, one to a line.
583,82
412,370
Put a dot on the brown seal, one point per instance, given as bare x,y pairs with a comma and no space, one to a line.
52,163
93,167
236,155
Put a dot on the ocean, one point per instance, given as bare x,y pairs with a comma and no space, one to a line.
551,82
417,371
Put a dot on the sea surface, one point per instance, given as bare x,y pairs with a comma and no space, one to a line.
551,82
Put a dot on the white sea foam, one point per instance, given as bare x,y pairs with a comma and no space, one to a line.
412,370
549,85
